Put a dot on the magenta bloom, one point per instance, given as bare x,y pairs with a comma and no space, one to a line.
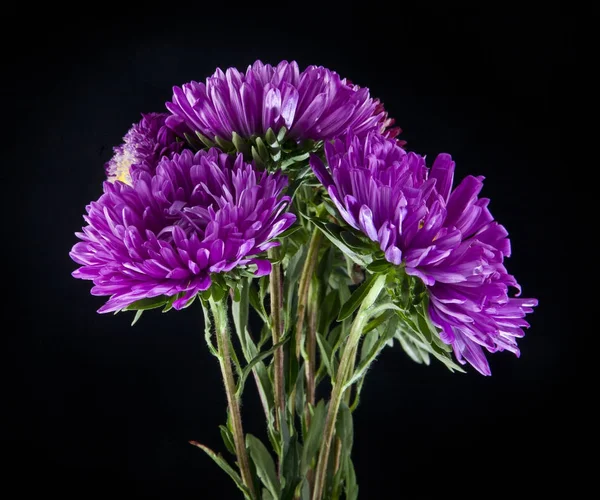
165,235
313,104
446,237
144,145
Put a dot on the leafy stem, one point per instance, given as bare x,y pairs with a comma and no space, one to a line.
344,374
276,330
219,313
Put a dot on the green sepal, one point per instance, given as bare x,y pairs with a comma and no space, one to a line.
205,140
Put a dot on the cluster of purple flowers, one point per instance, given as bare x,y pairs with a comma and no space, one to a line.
169,218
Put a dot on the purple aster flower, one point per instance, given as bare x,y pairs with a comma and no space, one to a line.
144,145
196,215
446,237
313,104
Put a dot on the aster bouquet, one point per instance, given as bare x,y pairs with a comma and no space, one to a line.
284,205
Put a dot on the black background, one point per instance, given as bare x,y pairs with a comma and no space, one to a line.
94,405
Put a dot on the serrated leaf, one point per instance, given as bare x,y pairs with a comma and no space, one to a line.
263,461
221,462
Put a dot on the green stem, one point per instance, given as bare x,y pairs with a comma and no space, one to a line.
219,312
240,314
304,285
343,374
311,348
276,330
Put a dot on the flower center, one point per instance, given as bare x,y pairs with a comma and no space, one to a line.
120,169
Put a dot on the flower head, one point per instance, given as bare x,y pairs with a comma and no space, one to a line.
164,235
144,145
313,104
445,237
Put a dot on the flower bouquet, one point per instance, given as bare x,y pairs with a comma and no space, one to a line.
283,204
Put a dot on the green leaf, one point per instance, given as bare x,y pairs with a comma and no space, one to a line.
239,311
291,468
327,355
257,302
355,243
217,292
328,311
334,236
351,487
249,367
169,303
314,436
299,386
411,348
227,439
357,298
370,340
208,330
266,495
379,266
345,432
289,231
374,323
221,462
146,304
265,467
